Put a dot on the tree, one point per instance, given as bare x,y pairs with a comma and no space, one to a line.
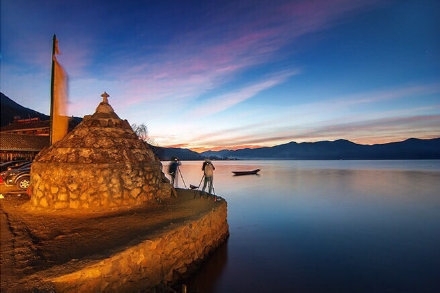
141,131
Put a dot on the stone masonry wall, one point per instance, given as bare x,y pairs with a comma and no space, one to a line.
101,163
163,259
88,186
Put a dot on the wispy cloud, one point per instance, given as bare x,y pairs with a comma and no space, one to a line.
391,94
356,103
363,132
329,122
194,62
377,130
223,102
211,64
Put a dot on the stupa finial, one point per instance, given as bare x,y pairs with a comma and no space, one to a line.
105,97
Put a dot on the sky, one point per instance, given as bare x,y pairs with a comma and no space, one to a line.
212,75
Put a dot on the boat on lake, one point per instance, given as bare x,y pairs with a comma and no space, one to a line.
251,172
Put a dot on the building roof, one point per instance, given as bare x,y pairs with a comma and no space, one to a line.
21,142
26,124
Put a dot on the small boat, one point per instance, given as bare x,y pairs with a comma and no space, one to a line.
252,172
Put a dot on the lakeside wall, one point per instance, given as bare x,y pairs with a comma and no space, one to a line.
164,259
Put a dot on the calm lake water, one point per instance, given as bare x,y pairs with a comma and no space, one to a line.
325,226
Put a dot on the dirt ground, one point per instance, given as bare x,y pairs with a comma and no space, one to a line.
34,241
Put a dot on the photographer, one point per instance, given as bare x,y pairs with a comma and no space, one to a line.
173,169
208,170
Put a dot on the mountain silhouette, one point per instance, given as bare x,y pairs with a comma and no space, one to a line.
341,149
10,110
410,149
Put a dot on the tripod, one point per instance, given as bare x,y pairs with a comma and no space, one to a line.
193,187
181,176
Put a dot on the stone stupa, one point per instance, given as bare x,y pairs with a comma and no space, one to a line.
101,164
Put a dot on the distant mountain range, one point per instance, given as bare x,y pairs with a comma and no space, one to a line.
11,110
410,149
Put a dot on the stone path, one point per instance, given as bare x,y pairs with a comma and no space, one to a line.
35,241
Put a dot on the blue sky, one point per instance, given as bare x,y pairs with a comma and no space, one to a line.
232,74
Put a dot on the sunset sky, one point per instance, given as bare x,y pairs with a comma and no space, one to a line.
231,74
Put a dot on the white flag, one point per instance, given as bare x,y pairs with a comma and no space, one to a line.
59,99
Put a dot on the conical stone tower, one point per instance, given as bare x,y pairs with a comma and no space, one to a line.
101,164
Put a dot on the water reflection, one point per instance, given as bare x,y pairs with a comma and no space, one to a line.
206,279
325,226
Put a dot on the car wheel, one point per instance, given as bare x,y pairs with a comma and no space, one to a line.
23,183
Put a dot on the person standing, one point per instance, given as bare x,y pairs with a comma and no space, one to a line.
173,169
208,170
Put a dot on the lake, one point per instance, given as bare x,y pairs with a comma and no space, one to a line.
324,226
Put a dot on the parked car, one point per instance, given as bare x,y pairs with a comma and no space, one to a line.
11,164
20,177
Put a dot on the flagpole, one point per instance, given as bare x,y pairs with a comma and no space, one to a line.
52,84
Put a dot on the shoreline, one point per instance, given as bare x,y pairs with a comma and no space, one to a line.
52,250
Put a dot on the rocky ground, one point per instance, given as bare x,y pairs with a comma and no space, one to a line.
35,241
